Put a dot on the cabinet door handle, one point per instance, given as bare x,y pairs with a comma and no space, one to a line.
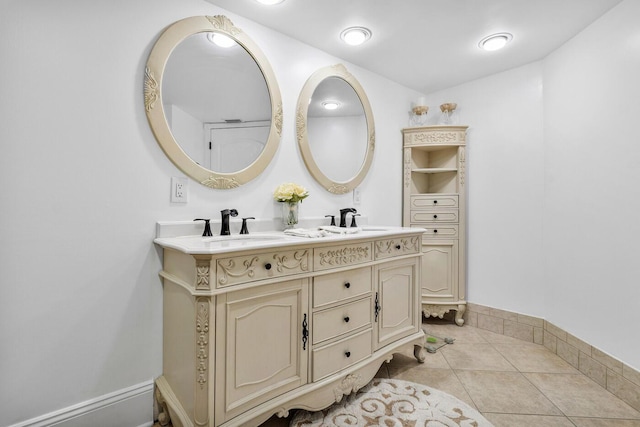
346,319
377,306
305,332
267,266
347,353
347,285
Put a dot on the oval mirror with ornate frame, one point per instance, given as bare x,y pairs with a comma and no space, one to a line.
173,42
336,144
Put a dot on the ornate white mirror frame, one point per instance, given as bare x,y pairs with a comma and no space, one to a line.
302,118
156,115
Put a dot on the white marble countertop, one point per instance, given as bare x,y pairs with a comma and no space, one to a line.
196,244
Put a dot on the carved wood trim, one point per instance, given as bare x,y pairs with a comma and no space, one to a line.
278,118
150,89
164,416
430,310
372,140
436,137
301,124
201,413
338,189
221,22
227,270
202,342
388,247
461,166
350,384
345,256
203,270
220,182
407,167
300,261
437,310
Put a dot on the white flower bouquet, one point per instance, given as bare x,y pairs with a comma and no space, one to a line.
290,192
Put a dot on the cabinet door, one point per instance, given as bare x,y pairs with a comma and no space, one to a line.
440,271
261,352
395,309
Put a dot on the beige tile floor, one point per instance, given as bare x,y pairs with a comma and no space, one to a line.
511,382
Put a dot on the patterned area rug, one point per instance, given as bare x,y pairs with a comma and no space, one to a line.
394,403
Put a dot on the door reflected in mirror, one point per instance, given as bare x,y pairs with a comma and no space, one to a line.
336,128
215,98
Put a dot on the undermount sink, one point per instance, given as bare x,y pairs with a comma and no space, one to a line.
368,228
242,239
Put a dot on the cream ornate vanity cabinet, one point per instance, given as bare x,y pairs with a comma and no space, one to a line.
434,197
260,328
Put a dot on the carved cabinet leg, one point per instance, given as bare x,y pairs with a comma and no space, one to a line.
419,353
164,418
461,309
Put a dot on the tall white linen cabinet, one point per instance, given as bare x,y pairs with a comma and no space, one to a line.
434,198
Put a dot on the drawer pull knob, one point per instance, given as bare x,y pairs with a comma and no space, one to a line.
346,319
347,285
347,353
398,247
435,202
435,217
267,266
435,231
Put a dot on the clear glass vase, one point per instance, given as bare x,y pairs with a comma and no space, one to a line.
290,214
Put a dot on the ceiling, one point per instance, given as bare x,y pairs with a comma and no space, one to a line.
428,45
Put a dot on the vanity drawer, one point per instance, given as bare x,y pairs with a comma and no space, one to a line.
424,201
341,256
342,354
267,265
434,216
340,320
336,287
397,246
440,231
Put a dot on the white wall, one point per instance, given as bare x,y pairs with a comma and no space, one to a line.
553,180
85,182
592,173
505,181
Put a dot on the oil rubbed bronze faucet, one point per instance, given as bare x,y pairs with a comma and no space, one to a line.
343,215
207,227
224,228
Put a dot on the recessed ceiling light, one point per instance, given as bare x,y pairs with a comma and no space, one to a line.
330,105
495,41
355,36
270,2
220,40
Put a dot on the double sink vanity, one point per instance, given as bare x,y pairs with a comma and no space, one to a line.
258,324
255,325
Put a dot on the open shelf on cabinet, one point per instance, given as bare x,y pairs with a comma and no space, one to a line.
443,181
432,159
434,170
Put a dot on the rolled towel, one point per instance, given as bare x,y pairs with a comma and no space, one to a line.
340,230
306,232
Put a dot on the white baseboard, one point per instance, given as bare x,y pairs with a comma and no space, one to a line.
128,407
